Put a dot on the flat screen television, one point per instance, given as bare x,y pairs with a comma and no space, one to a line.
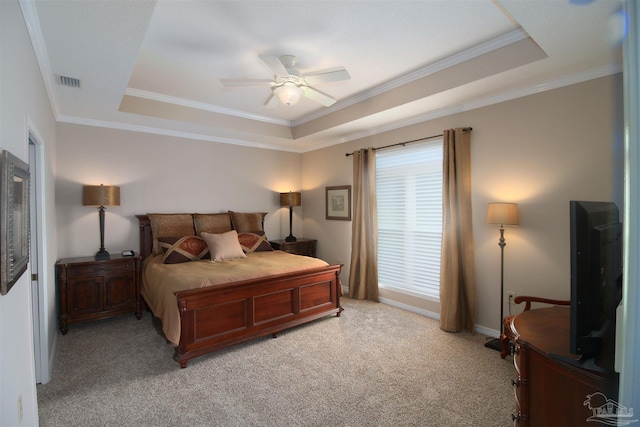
596,280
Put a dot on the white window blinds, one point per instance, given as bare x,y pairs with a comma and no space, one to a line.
409,192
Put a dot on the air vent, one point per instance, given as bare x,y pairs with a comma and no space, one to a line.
68,81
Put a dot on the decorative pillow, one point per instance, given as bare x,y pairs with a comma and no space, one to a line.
248,222
254,242
183,249
224,245
170,225
212,223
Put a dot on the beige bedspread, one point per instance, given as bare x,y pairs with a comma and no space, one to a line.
160,281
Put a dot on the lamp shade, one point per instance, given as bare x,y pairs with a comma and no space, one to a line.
288,94
502,213
101,195
290,199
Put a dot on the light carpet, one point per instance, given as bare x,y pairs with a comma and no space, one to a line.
375,365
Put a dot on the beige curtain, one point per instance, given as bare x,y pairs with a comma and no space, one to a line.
363,273
457,265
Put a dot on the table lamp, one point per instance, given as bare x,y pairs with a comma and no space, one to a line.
290,199
101,196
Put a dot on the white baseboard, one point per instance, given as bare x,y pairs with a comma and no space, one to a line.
487,331
477,328
411,308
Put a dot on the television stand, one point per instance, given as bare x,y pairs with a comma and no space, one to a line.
552,383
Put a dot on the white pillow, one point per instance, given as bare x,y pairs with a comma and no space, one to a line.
224,245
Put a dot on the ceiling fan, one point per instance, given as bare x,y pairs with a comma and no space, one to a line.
288,84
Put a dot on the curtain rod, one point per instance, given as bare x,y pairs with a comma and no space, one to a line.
409,142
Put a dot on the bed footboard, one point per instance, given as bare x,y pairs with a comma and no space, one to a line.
221,316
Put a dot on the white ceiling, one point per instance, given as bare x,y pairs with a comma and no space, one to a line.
155,66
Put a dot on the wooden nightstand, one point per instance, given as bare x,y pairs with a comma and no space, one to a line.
301,247
90,289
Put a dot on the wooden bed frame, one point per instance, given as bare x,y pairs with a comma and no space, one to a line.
214,318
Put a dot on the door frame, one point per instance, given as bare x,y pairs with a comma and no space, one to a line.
37,248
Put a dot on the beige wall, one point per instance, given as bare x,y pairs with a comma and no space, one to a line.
24,109
164,174
539,151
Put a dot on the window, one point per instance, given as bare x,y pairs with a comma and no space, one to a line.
409,192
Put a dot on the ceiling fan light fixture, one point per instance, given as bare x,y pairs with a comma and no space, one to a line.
288,94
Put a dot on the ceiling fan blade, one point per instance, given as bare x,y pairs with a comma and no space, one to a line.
321,97
245,82
271,101
274,64
326,76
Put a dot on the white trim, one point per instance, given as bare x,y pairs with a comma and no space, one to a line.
486,331
31,19
30,15
484,102
153,96
43,359
407,307
410,293
479,329
431,115
166,132
627,341
460,57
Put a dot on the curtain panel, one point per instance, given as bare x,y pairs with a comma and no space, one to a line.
457,267
363,273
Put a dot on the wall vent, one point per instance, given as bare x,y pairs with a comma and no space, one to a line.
68,81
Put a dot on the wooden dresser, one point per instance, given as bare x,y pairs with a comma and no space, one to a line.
90,289
301,247
549,389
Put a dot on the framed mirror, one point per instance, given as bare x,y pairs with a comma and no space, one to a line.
14,220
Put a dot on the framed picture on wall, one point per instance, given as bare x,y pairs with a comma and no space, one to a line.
14,219
339,202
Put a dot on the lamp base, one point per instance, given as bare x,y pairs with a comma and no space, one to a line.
102,255
494,344
290,238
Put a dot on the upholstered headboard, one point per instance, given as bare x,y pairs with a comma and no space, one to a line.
177,225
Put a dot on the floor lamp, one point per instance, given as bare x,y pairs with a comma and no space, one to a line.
502,214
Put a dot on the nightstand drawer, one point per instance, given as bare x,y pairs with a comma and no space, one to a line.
99,269
302,246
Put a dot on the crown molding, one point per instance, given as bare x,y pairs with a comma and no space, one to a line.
166,132
30,15
420,118
33,27
458,58
154,96
483,102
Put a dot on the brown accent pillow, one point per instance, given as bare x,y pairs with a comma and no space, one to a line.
254,242
212,223
247,222
170,225
224,245
183,249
